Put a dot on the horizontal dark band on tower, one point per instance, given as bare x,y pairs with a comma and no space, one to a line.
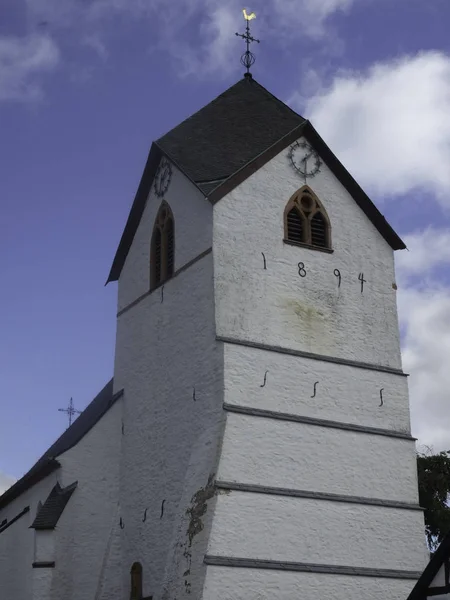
311,355
250,563
44,565
269,414
180,270
13,520
275,491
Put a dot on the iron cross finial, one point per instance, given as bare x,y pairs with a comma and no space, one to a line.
248,58
71,411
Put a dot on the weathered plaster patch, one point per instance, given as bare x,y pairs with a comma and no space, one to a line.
199,508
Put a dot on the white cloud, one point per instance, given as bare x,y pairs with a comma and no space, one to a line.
214,43
5,482
304,13
96,44
196,34
390,125
428,250
309,15
424,310
22,62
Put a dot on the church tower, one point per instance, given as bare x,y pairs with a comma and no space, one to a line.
266,444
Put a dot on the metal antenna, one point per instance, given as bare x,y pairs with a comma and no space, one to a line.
248,58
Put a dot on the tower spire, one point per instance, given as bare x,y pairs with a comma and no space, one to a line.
248,58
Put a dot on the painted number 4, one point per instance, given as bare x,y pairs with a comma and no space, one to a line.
362,280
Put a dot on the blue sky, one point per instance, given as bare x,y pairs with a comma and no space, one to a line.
86,85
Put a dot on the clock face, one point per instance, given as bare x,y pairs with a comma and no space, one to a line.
163,177
304,159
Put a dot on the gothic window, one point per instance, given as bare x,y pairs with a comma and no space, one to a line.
136,581
306,222
162,253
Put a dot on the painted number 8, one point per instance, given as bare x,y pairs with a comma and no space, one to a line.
301,269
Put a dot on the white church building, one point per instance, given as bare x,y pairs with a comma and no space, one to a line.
254,442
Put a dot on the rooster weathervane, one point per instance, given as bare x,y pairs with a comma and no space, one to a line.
248,58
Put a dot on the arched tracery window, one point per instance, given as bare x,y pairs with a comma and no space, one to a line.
306,221
136,581
162,253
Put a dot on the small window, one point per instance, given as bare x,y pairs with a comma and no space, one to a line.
306,222
162,252
295,225
318,230
136,581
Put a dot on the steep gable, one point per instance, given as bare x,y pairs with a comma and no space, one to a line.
225,142
52,509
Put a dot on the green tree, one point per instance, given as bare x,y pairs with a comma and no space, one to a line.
434,492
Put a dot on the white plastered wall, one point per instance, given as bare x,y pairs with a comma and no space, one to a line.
284,454
257,584
86,527
166,349
343,393
266,527
17,543
193,235
276,306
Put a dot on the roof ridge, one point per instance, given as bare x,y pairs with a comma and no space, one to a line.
273,97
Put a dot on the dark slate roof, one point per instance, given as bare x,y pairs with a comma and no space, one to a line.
79,428
230,131
53,507
228,140
439,558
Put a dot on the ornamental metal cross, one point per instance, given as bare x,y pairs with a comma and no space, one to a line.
248,58
71,411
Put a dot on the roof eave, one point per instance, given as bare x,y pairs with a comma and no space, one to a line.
28,480
138,206
355,190
135,214
306,129
48,463
256,163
